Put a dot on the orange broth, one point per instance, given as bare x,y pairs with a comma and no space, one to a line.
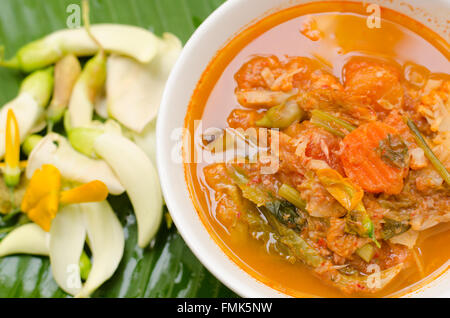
346,34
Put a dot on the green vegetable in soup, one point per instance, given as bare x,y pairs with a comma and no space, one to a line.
393,151
366,252
281,116
283,210
296,244
428,152
332,124
393,228
286,213
358,222
350,197
292,195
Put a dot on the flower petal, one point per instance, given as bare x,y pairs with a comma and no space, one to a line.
27,112
134,90
12,141
56,150
67,237
41,198
44,181
138,176
27,239
94,191
106,242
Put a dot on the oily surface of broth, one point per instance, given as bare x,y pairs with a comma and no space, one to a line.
344,34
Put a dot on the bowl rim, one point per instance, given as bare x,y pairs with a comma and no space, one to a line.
223,268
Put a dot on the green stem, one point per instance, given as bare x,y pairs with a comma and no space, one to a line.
428,152
50,124
11,214
329,123
292,195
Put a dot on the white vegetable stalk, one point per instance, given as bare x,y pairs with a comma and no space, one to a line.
26,239
67,237
137,174
56,150
29,105
127,40
134,90
106,242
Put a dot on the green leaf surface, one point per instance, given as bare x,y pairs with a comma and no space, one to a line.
167,268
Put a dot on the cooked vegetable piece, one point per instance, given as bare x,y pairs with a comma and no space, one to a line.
350,197
261,230
252,192
262,98
332,124
393,228
372,283
363,164
443,172
286,213
366,252
292,195
299,247
283,210
394,151
281,116
358,222
342,189
408,238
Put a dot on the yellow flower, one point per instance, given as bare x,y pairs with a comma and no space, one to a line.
44,196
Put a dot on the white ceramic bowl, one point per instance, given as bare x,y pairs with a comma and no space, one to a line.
211,36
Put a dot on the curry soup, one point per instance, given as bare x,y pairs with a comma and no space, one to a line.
336,95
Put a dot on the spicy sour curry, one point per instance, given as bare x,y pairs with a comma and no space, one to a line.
358,122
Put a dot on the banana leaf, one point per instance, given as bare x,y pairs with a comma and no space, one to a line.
167,268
